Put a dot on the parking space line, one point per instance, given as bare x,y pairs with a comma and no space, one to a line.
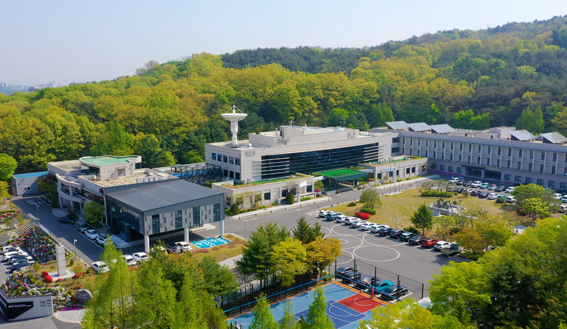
93,241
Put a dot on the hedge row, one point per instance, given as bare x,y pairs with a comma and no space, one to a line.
437,194
368,211
362,215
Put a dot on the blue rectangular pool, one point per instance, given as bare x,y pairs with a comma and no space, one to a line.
210,242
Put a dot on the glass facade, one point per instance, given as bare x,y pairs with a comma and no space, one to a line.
216,212
178,219
155,224
282,165
124,221
196,216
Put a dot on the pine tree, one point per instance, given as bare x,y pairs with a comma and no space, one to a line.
288,320
303,232
262,317
422,218
289,198
317,317
525,121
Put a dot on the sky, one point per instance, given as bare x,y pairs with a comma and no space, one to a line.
66,41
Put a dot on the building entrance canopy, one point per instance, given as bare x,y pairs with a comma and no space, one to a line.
343,174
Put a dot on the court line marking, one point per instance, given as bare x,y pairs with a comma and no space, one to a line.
374,260
337,316
354,301
381,245
348,261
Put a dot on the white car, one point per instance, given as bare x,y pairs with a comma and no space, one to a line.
100,267
476,183
358,224
184,246
491,196
441,244
348,220
354,221
13,253
323,213
91,234
10,248
509,189
374,228
563,208
340,218
12,258
130,261
101,240
140,257
510,199
365,226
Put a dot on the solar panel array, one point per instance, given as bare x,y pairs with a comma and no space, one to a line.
521,135
397,125
442,128
420,126
553,138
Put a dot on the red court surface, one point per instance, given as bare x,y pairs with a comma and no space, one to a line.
359,303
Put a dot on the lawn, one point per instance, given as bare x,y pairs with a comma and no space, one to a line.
231,249
397,209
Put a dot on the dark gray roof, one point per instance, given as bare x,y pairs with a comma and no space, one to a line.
441,129
521,135
396,125
419,126
163,194
553,138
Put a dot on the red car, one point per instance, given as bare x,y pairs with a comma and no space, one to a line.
428,243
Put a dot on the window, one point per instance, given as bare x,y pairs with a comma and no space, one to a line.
410,152
452,145
563,185
450,168
540,168
459,170
178,219
470,147
219,157
411,141
555,156
395,150
224,158
479,148
309,188
531,155
553,170
451,156
284,193
497,162
27,188
551,183
519,166
237,175
413,170
488,162
517,178
469,159
543,155
565,171
508,166
443,145
460,157
441,167
231,160
539,181
237,161
155,224
403,140
434,154
461,147
407,170
434,143
426,153
478,160
231,174
528,180
214,156
216,212
419,144
520,153
426,143
509,152
507,177
530,167
196,216
489,149
442,156
225,173
499,150
267,196
396,140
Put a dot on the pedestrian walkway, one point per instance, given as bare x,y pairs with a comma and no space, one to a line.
231,262
71,316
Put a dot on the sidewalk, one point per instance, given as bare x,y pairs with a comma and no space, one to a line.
280,208
231,262
72,316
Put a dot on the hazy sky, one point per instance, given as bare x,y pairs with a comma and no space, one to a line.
81,41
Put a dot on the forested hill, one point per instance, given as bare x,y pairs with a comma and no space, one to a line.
515,74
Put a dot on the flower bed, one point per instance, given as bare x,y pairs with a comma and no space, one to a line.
25,284
362,215
37,244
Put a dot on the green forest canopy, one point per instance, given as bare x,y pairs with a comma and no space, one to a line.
469,79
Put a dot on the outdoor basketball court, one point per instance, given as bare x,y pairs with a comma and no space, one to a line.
345,307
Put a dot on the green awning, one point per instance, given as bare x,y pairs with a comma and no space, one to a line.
343,174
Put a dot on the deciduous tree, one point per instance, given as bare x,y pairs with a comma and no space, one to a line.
405,314
422,218
323,252
317,317
289,259
94,212
7,166
535,208
371,199
262,317
288,320
470,239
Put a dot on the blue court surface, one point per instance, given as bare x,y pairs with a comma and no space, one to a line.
336,296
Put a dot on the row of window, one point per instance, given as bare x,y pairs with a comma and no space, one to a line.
529,180
226,159
156,227
231,174
450,169
489,148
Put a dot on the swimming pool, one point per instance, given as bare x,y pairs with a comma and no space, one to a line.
210,242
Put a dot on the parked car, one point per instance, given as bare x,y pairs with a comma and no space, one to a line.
365,226
100,267
510,199
7,249
474,193
476,184
376,227
348,220
492,187
563,208
130,261
459,189
341,270
357,224
8,257
440,244
381,285
500,188
484,185
350,276
491,196
467,183
453,180
416,240
15,252
558,196
452,249
564,198
101,240
354,222
66,220
384,231
340,218
460,182
173,249
406,235
91,234
395,233
184,246
81,226
323,213
501,198
482,195
331,214
19,267
392,292
15,261
365,281
509,189
140,257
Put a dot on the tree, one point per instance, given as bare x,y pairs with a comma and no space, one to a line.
317,317
289,198
535,208
113,140
495,231
523,192
7,166
444,225
289,259
405,314
94,212
371,199
338,117
4,194
256,255
152,154
422,218
288,320
262,317
323,252
470,239
220,279
305,233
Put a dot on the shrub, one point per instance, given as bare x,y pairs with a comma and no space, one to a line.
72,262
59,280
368,211
44,273
362,215
521,212
437,194
234,209
48,278
289,198
305,199
500,200
412,230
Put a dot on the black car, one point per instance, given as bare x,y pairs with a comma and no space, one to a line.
467,183
350,276
396,233
365,281
341,270
459,189
406,236
460,182
474,193
384,231
17,267
500,188
416,240
482,195
393,292
66,220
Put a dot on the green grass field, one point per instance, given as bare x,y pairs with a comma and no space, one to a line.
401,206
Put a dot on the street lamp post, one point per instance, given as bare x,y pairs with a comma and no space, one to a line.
75,247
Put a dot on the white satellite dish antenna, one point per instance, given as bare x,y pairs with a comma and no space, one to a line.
233,117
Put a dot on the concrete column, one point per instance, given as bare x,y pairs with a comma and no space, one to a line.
61,261
221,225
298,192
147,243
186,232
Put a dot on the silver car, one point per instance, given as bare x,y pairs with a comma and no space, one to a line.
375,227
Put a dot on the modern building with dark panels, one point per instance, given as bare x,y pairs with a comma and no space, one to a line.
172,205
